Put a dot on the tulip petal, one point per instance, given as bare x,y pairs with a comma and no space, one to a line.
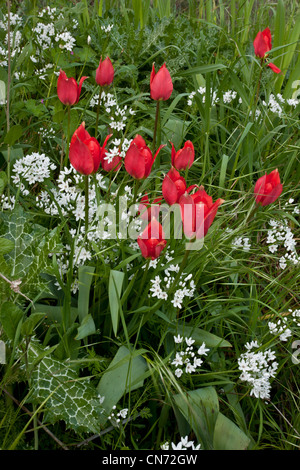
273,67
272,196
81,158
169,190
79,87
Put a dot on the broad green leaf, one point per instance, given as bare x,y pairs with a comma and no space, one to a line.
124,374
114,290
10,317
31,323
200,408
86,328
13,135
200,336
68,397
3,181
228,436
85,277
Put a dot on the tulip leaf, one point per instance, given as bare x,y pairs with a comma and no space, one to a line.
86,328
114,290
3,181
125,373
228,436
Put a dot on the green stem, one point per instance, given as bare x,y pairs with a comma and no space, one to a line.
156,127
142,285
86,190
98,110
259,81
8,97
68,136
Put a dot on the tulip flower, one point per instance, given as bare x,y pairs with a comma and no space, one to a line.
268,188
198,212
105,72
161,85
173,186
138,159
68,91
263,44
183,158
84,152
152,240
147,210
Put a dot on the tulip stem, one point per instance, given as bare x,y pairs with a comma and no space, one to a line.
68,136
98,110
86,184
156,130
259,80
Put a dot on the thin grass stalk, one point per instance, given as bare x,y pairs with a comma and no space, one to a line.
8,97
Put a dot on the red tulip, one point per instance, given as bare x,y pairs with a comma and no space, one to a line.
173,186
161,85
263,44
152,210
152,240
67,89
184,158
198,212
105,72
84,152
268,188
138,159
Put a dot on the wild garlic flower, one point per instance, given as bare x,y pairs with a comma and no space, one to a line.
258,367
186,359
183,444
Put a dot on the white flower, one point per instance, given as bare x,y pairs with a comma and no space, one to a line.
178,339
203,349
189,341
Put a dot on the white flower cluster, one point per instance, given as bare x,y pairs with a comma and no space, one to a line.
33,168
186,360
186,284
227,97
183,444
119,149
15,20
280,327
69,195
257,368
116,419
281,236
107,28
118,116
242,242
275,104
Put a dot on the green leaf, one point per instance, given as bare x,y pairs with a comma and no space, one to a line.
13,135
10,317
3,181
31,323
228,436
85,277
6,246
200,408
114,291
86,328
124,374
200,336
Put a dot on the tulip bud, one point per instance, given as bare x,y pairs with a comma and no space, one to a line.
263,44
200,213
105,72
138,159
67,89
152,240
268,188
184,158
84,152
161,85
